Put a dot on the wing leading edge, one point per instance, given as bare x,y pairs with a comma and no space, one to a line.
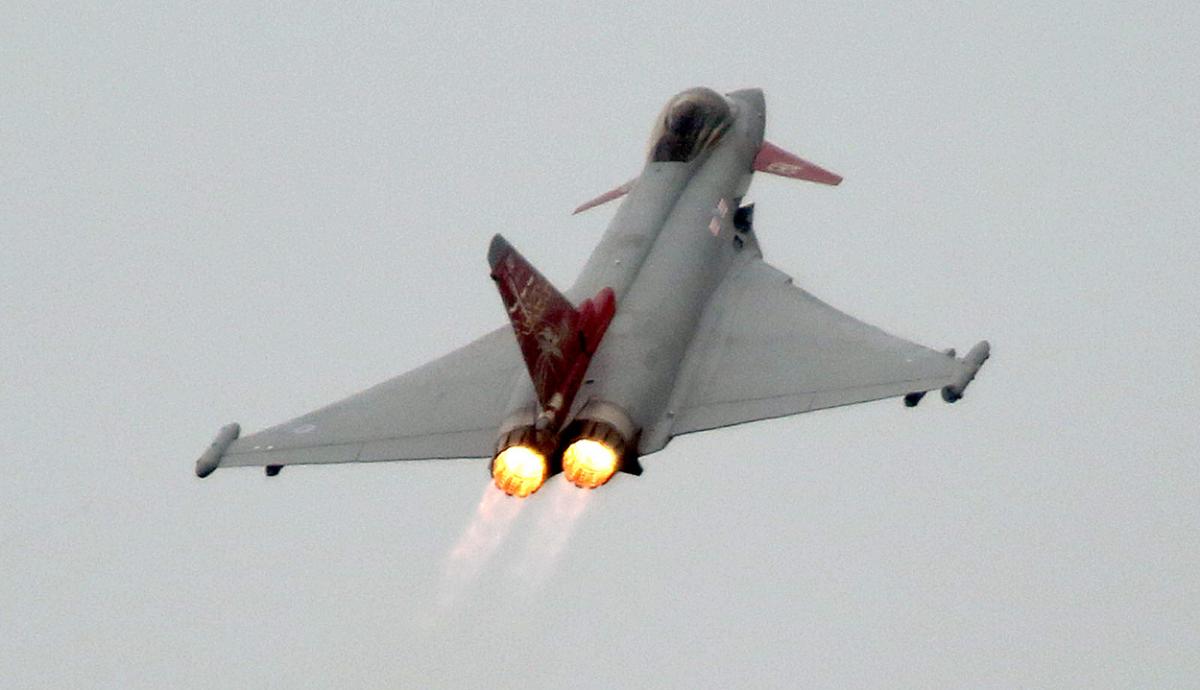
448,408
766,348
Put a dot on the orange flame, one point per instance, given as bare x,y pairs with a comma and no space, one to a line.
519,470
589,463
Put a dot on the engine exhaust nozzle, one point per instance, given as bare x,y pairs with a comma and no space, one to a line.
594,456
521,464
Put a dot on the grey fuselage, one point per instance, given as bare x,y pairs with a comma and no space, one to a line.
669,245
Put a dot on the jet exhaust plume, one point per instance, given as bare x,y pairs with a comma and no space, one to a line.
494,516
547,540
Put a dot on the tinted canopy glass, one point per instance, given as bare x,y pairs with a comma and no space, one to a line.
690,123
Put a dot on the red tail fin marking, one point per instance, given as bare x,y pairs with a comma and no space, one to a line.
556,340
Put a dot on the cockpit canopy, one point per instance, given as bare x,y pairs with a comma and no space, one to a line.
691,123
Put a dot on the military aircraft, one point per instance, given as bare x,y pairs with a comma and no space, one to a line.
675,325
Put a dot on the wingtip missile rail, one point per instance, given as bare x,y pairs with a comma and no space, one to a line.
971,364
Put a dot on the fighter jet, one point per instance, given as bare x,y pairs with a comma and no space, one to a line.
675,325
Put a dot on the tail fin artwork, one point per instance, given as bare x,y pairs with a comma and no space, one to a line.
556,339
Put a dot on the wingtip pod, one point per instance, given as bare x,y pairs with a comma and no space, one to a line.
211,459
971,365
774,160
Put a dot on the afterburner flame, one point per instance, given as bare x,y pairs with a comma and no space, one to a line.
519,470
588,463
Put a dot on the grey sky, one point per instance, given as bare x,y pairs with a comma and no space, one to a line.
217,214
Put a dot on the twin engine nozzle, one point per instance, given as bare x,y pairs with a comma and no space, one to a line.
522,461
527,456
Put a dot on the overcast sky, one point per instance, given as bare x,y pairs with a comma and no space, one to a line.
217,214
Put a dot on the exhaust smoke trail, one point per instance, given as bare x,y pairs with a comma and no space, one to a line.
495,515
546,541
493,520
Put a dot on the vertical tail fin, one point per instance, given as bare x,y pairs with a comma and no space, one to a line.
556,339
